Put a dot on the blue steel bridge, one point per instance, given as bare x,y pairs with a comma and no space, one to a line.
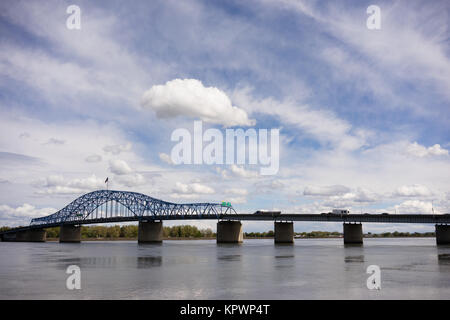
104,206
109,206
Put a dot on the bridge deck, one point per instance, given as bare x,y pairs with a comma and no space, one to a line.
356,218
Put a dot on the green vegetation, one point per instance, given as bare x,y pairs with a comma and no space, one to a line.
131,232
268,234
399,234
187,231
319,234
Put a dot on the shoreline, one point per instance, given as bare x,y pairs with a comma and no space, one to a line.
214,238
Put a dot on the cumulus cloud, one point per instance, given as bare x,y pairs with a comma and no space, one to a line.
192,188
56,184
117,148
415,190
131,180
418,150
237,200
414,207
188,97
119,167
21,215
165,158
325,190
241,172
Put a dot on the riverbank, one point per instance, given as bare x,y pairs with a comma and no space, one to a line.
256,238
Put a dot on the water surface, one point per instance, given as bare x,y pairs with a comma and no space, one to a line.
411,268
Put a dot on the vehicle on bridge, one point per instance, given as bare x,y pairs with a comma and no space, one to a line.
340,211
268,213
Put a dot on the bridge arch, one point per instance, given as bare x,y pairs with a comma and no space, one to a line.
140,205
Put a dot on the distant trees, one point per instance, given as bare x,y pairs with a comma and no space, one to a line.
267,234
187,231
402,234
131,232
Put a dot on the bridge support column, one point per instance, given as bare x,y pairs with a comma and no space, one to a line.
150,231
21,236
353,233
36,235
442,234
229,232
9,237
284,232
70,233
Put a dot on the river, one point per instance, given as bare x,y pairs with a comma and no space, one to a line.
411,268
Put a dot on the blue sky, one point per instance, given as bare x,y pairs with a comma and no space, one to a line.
363,114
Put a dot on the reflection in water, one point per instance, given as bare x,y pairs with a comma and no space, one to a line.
148,262
444,258
230,257
359,259
256,269
353,245
95,262
284,256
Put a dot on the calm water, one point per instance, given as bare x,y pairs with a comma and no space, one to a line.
257,269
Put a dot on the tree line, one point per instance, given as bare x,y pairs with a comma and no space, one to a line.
131,232
187,231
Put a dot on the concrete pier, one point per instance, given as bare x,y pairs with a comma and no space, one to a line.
36,235
22,236
229,232
284,232
70,234
9,237
150,231
442,234
353,233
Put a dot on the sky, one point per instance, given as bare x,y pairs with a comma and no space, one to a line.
363,115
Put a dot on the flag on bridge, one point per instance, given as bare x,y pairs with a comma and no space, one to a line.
106,179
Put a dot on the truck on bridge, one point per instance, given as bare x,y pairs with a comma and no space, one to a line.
267,213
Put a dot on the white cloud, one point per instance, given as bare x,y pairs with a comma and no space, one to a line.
117,148
241,172
238,191
119,167
325,190
418,150
56,184
21,215
165,158
192,188
236,200
131,180
414,207
415,190
188,97
409,46
93,158
319,123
